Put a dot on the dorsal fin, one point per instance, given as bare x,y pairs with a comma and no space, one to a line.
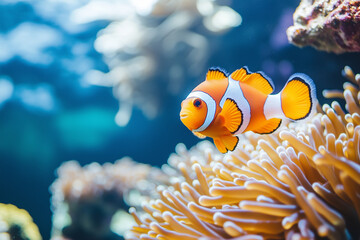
216,74
257,80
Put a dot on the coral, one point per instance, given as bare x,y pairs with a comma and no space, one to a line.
85,199
17,224
330,26
151,48
300,183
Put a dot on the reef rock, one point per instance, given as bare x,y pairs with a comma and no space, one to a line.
332,26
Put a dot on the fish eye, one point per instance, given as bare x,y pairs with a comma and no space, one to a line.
197,102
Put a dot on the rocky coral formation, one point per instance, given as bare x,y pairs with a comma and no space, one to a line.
17,224
331,26
300,183
85,199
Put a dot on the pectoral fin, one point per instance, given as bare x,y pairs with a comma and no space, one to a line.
232,115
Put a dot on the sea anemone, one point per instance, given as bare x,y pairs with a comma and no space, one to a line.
17,224
302,182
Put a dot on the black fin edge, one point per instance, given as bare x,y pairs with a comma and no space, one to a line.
219,69
234,146
242,115
267,78
305,79
272,130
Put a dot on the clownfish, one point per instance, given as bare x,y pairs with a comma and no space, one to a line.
224,106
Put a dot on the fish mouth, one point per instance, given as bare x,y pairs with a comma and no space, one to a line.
185,118
183,115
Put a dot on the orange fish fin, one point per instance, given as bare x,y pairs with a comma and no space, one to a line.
230,142
232,115
269,126
216,74
220,145
257,80
199,135
298,97
240,75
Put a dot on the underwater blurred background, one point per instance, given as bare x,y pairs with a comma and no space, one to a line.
62,63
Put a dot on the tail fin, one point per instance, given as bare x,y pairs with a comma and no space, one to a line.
298,97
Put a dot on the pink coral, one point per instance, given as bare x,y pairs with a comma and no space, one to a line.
331,26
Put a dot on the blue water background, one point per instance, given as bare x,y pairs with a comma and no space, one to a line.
71,120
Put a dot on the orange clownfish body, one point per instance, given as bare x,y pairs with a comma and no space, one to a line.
223,106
